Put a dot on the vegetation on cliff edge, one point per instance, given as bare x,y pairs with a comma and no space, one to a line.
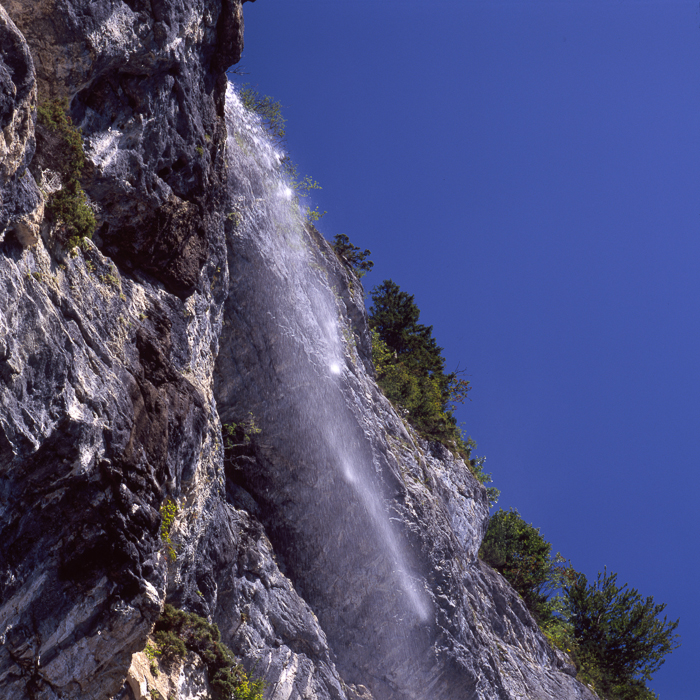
615,637
68,206
351,256
411,373
177,632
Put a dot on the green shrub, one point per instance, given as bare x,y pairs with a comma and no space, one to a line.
168,513
178,632
171,647
152,653
54,116
476,465
410,364
242,432
248,688
68,206
519,552
560,634
411,373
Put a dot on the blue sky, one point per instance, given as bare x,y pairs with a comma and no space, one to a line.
530,171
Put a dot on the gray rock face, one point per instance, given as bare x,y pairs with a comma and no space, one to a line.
21,203
335,550
142,80
105,376
228,571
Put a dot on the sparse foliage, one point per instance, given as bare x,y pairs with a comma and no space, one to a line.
351,255
270,113
476,465
302,186
241,432
178,632
269,110
69,205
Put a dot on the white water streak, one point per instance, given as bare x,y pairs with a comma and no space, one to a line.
267,209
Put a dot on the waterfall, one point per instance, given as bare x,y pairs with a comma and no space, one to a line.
308,340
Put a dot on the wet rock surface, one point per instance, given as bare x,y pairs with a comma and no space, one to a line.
335,550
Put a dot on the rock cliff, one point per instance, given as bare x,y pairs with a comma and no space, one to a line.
335,550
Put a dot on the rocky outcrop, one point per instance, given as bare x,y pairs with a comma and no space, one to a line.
105,387
145,84
335,550
227,571
21,204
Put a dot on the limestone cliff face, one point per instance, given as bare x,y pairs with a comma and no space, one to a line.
335,550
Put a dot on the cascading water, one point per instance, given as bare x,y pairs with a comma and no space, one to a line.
331,500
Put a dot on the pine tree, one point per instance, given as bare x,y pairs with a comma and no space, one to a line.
619,633
410,366
394,315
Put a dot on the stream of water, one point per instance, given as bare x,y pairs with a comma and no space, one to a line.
302,341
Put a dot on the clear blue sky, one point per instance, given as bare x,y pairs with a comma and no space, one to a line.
530,171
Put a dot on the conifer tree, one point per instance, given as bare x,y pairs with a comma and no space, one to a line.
351,255
394,315
620,635
616,638
410,366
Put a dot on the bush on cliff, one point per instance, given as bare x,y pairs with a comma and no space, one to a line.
613,635
68,206
410,366
518,551
177,632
